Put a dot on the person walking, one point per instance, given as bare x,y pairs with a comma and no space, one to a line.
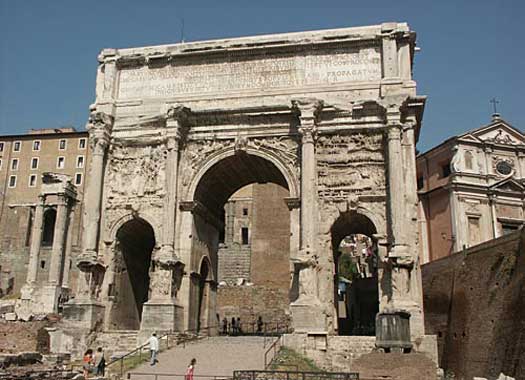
190,369
153,348
100,362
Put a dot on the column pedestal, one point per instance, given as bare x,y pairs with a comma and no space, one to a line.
162,315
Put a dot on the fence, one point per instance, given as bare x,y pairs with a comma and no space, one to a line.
294,375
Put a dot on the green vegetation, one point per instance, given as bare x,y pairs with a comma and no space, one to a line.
289,360
347,268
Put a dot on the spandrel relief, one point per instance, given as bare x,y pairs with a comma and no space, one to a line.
136,172
350,163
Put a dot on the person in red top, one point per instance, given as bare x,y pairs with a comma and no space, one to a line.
87,362
189,371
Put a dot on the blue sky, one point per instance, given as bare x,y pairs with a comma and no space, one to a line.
471,50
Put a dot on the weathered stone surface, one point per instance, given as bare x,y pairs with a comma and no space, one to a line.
474,304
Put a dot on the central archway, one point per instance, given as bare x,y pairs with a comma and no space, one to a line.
246,240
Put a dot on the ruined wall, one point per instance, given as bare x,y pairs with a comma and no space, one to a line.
474,303
250,302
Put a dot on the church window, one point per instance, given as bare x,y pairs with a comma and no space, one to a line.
245,211
469,160
504,168
245,236
445,169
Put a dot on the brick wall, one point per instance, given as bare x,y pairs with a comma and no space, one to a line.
250,302
474,303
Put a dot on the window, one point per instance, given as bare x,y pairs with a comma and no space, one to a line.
504,168
34,163
469,158
245,235
48,232
80,162
82,144
14,164
507,228
474,229
17,145
36,145
12,181
62,145
43,264
245,211
420,183
61,162
1,146
445,170
78,179
32,180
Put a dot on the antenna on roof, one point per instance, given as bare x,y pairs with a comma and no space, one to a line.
182,30
495,115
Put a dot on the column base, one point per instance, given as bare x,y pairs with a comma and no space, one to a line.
38,301
162,316
308,317
88,314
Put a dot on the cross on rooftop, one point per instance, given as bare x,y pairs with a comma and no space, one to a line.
494,102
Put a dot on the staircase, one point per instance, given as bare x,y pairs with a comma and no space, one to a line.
216,357
116,342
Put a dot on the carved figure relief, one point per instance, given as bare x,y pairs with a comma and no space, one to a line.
350,163
136,172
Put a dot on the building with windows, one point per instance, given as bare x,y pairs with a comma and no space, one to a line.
471,189
23,161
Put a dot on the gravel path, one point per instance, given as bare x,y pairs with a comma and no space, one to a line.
216,356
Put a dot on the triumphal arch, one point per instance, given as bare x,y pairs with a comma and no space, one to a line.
331,116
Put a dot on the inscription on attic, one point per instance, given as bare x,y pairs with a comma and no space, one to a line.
272,72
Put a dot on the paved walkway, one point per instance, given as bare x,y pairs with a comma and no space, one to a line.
216,356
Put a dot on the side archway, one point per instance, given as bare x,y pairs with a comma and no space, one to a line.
134,243
356,273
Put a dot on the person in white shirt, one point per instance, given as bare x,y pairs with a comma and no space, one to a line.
153,348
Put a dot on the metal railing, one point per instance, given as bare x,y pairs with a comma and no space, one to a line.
272,351
170,376
293,375
144,348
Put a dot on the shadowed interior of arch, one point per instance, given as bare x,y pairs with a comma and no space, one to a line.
135,242
261,247
232,173
356,276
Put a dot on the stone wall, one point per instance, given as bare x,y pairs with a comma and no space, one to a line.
474,303
250,302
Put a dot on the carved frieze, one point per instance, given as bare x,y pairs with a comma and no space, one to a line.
350,164
136,173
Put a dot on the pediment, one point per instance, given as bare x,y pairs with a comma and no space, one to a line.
500,133
469,137
508,185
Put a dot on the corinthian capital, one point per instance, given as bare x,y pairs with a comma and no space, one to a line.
99,128
177,117
308,111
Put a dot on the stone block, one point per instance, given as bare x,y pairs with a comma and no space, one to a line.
162,316
10,316
86,314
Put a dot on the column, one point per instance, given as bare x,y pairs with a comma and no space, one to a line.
163,301
308,313
99,129
493,215
57,251
69,243
36,240
175,134
396,193
309,110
